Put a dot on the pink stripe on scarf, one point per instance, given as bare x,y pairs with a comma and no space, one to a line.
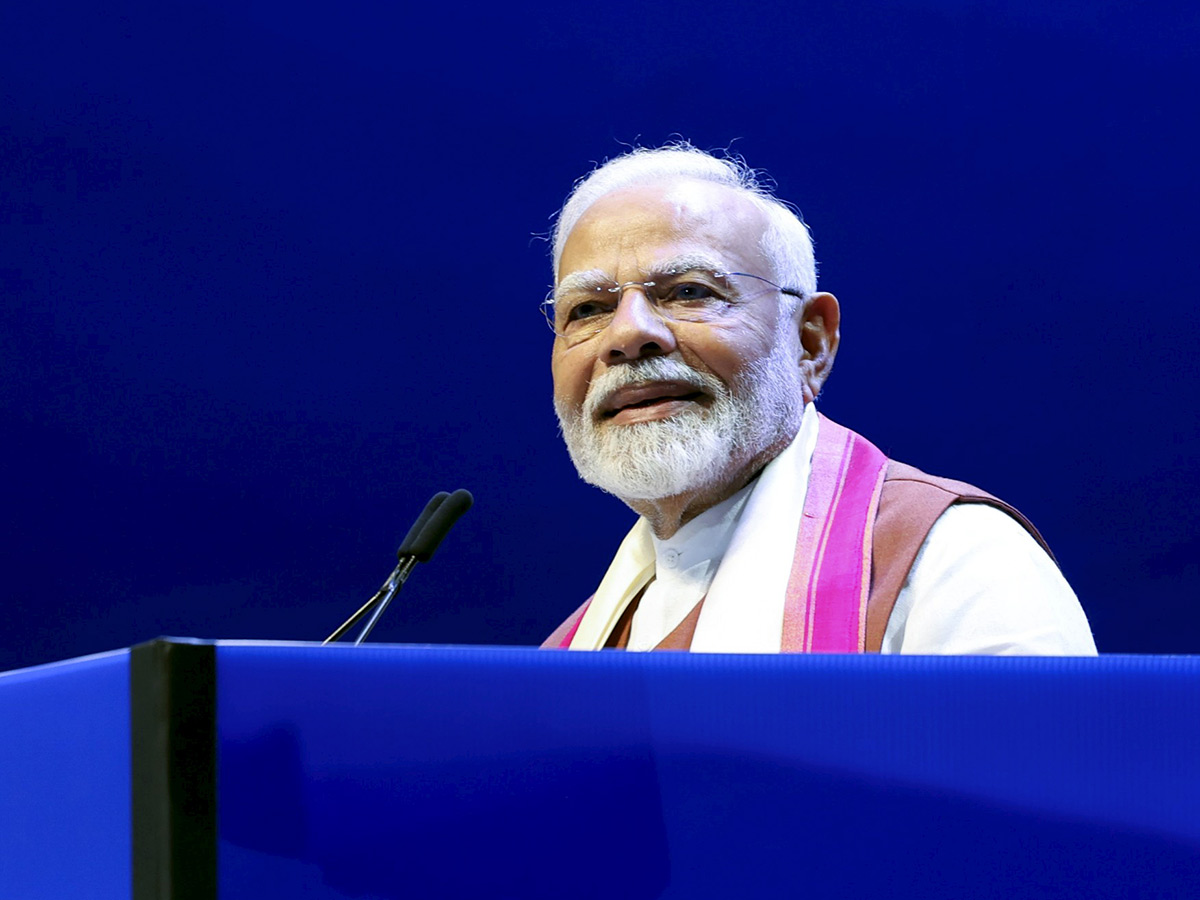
825,607
570,635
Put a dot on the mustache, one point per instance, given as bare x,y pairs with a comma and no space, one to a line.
646,371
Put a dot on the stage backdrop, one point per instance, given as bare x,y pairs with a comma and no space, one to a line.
271,277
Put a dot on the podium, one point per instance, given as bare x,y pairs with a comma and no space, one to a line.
192,769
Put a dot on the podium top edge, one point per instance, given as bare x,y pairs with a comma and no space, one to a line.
47,668
1111,661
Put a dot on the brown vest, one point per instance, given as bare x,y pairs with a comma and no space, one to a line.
909,504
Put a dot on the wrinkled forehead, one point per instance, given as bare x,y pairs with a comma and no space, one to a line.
644,228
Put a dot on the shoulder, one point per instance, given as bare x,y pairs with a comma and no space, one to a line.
982,584
910,496
910,503
969,574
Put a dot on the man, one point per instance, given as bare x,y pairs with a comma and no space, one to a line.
691,344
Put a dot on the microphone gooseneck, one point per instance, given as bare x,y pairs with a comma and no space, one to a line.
423,538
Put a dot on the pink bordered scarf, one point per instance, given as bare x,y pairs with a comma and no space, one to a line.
835,477
825,608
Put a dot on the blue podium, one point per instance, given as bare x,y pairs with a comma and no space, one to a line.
183,769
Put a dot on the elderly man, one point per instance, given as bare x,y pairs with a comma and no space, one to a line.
691,344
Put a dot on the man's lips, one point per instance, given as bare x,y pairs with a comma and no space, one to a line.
644,395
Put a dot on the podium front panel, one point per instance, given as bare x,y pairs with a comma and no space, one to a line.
192,769
65,780
388,772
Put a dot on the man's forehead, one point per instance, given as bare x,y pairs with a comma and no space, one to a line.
681,198
633,224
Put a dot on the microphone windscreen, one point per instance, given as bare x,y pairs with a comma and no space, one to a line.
440,522
414,534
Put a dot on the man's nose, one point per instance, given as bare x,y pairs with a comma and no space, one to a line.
636,329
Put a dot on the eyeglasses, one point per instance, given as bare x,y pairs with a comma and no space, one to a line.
579,313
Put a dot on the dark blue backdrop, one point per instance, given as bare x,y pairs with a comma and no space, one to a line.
270,278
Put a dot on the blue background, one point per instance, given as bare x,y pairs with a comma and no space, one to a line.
270,278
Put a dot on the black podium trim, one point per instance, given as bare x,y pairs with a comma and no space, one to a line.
173,701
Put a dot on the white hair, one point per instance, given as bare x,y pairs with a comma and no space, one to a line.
785,241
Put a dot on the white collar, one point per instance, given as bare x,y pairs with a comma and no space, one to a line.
684,567
706,537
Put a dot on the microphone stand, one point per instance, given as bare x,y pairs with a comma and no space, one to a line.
382,597
440,513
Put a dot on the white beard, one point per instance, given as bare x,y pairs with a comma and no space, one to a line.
693,450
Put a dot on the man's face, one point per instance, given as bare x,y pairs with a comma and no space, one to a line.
652,407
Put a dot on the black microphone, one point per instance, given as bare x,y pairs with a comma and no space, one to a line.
418,526
399,575
439,523
423,538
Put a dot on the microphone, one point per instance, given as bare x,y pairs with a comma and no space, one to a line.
423,538
436,527
437,524
418,526
399,574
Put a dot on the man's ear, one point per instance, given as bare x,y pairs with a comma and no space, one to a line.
820,317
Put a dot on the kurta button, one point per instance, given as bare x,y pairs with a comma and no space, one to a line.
671,558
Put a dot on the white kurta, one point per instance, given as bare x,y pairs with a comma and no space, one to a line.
980,583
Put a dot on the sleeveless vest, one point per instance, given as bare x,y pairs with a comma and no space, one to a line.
865,519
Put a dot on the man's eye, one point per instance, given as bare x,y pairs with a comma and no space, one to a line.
691,292
585,310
